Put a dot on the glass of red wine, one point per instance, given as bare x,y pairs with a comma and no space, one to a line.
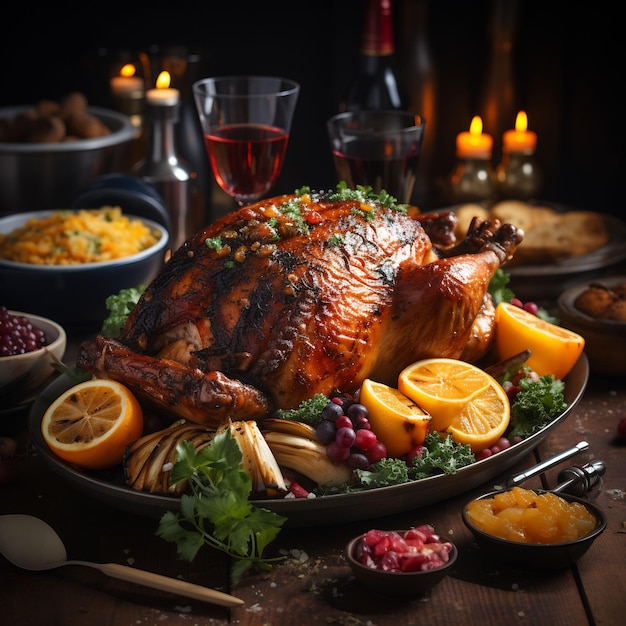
246,122
379,149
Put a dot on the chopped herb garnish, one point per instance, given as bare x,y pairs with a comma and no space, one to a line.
365,194
336,240
291,209
215,243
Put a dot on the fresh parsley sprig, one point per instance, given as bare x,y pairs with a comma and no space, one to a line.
218,512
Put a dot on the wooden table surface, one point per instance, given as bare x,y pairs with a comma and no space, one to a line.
315,586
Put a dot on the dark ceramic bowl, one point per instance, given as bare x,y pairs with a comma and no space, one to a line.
396,583
605,340
133,195
75,295
536,556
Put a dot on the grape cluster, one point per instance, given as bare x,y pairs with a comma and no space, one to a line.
529,307
502,444
348,435
18,335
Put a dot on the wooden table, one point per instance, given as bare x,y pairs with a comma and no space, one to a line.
315,586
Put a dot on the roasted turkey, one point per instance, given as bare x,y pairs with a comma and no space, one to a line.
304,294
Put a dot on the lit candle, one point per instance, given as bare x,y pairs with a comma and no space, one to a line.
163,94
521,139
474,144
126,84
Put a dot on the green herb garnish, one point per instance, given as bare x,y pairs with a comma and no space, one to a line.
120,305
439,456
337,239
536,404
308,411
215,243
498,288
365,194
218,512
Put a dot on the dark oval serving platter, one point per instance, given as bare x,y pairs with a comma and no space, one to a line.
108,487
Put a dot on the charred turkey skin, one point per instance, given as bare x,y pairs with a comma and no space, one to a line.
303,294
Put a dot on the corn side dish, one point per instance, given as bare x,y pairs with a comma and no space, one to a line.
76,237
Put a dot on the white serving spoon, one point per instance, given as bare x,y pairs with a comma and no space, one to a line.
31,544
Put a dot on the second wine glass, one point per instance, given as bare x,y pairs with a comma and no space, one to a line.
246,121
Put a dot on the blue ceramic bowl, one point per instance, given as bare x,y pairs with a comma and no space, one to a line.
75,295
133,195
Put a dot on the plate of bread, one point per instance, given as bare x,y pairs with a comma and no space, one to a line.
559,243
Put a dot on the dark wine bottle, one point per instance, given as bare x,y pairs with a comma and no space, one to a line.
377,85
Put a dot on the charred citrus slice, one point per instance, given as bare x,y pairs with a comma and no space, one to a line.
554,349
483,420
91,424
397,421
442,387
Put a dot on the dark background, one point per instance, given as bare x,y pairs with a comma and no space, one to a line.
567,69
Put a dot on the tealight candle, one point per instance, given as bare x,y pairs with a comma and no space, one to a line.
474,144
126,84
521,139
163,94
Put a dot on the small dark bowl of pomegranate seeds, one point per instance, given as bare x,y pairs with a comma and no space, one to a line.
401,562
29,345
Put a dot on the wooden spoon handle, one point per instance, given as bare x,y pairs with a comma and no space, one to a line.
165,583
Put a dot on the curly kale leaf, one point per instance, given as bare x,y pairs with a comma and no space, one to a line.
308,411
120,305
439,455
535,405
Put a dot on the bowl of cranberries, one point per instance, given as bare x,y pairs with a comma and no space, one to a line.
401,562
29,345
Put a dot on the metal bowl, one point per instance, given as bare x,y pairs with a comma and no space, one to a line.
537,556
46,176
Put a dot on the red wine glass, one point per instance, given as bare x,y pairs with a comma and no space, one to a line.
379,149
246,122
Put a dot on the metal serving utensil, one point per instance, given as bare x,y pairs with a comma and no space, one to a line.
547,464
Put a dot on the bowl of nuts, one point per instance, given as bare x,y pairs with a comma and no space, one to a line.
29,345
401,562
51,150
596,309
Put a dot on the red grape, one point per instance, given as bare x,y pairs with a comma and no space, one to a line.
531,307
337,453
377,452
345,437
365,439
343,421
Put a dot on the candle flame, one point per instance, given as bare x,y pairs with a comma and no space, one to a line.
476,127
128,70
521,121
163,80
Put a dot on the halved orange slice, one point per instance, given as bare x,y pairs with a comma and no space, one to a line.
554,349
397,421
91,424
442,387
